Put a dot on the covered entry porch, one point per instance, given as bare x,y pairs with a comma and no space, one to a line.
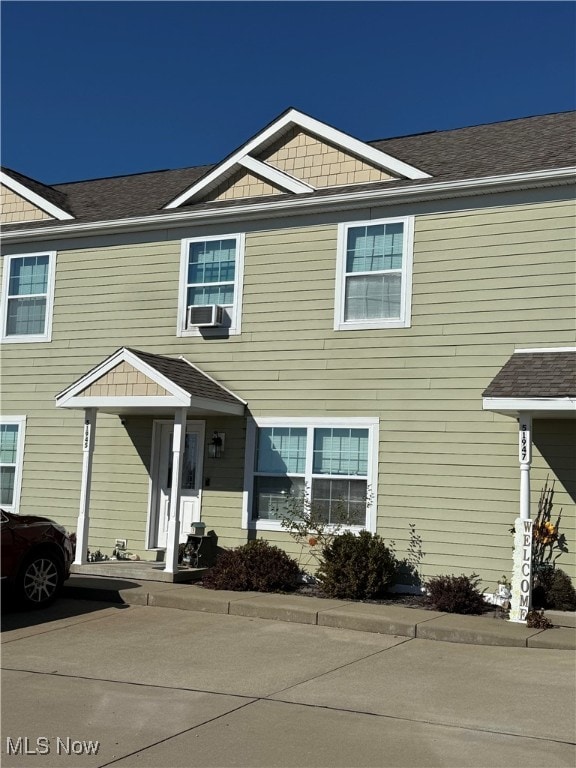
177,397
534,384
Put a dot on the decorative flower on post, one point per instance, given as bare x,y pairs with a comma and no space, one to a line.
545,532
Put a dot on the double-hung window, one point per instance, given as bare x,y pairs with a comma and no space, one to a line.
11,456
374,274
332,462
27,297
211,274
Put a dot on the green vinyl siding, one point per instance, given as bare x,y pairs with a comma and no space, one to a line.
486,280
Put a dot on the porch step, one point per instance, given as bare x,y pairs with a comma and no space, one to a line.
142,570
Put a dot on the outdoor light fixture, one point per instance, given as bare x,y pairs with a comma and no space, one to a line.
216,445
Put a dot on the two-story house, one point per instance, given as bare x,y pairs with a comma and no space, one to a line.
379,325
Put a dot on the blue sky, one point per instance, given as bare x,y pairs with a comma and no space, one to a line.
93,89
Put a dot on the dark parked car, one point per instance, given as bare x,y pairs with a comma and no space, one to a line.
36,557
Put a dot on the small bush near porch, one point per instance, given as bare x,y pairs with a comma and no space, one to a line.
256,566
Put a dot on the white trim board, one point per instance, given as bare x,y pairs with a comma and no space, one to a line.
177,398
275,175
512,405
286,121
543,349
299,205
34,198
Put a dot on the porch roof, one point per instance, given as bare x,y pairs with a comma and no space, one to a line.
537,381
132,381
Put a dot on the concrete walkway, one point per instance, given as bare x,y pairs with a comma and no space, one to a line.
366,617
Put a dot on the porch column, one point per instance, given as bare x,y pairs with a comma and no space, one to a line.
174,510
522,569
84,513
525,457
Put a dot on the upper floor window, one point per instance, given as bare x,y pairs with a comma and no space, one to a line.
211,273
374,274
27,297
11,456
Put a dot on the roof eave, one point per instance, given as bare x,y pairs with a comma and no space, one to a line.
302,204
543,407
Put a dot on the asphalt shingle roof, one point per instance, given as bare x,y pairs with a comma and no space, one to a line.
189,378
526,144
535,374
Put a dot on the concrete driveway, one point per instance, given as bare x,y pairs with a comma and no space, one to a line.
167,688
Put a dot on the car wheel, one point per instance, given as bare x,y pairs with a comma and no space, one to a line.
40,580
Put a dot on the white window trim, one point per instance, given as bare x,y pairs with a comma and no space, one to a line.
236,326
29,338
405,319
354,422
21,422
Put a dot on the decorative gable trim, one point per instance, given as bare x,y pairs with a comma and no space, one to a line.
76,396
275,176
274,131
115,386
33,198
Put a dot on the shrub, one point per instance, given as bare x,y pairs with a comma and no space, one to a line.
456,594
356,567
553,589
562,595
257,566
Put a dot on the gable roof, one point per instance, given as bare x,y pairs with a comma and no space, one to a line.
177,383
289,119
525,145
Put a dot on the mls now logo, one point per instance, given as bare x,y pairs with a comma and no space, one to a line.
44,746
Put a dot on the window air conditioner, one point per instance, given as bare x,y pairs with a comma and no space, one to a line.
205,316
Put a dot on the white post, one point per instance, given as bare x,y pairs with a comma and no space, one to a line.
174,509
522,568
84,512
525,457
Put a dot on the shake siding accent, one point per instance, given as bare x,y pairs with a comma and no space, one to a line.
15,208
485,281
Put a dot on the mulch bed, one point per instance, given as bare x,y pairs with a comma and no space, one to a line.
407,601
402,600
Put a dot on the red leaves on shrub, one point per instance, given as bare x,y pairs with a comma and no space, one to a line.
456,594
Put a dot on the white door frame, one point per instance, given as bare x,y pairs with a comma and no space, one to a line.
153,486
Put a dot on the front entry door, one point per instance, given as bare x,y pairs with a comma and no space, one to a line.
190,484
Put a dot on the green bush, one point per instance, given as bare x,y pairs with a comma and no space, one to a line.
553,589
456,594
257,566
356,567
562,595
